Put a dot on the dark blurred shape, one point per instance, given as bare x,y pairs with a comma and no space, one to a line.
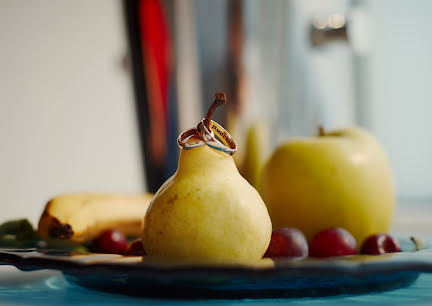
235,75
151,52
213,35
155,44
328,29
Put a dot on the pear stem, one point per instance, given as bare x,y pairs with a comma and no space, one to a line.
321,131
220,98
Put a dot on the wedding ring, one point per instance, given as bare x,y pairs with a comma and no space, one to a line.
224,141
183,137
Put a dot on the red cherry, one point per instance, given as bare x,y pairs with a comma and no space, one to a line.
379,244
110,242
135,248
332,242
287,242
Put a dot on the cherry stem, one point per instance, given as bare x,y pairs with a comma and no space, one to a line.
321,131
220,98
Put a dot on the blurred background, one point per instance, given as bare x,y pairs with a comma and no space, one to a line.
94,93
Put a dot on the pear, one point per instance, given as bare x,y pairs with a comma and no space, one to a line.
207,210
257,142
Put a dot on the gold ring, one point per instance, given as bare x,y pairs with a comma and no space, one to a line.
224,141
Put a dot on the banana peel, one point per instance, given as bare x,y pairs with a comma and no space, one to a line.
83,217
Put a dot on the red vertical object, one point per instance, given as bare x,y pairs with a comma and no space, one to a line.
157,51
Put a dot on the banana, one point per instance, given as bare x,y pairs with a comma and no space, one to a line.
82,217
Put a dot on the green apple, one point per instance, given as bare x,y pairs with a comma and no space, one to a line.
337,179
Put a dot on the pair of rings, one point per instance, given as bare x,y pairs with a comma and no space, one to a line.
206,135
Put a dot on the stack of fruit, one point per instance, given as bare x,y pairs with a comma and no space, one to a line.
334,190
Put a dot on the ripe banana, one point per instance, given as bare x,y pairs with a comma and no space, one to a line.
82,217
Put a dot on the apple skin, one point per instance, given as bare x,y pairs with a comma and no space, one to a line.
340,179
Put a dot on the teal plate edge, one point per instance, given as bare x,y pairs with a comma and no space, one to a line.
301,278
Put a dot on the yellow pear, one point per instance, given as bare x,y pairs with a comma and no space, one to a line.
207,210
255,153
338,179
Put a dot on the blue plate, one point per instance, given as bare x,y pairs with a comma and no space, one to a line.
156,277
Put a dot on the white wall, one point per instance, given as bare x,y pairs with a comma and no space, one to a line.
397,77
67,117
401,91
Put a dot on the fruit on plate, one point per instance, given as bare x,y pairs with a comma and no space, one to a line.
17,233
337,179
287,242
110,242
332,242
380,244
83,217
207,210
135,248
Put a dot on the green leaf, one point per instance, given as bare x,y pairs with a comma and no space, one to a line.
17,230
